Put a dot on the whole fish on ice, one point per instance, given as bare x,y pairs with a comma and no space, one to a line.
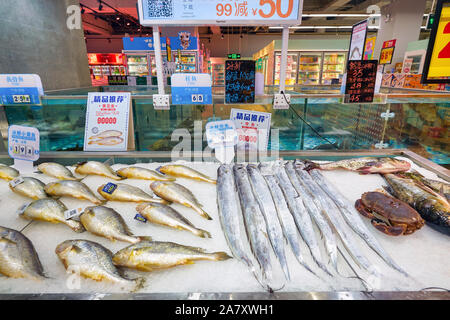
175,192
56,170
50,210
7,173
18,257
74,189
167,216
108,223
185,172
31,188
142,173
227,203
150,255
91,260
96,168
269,211
364,165
126,193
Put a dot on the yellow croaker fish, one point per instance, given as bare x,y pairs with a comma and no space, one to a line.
106,134
96,168
56,170
185,172
110,141
108,223
167,216
364,165
175,192
142,174
74,189
31,188
126,193
50,210
93,261
18,258
150,255
7,173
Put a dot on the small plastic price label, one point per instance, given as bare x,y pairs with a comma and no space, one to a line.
140,218
69,214
16,182
109,188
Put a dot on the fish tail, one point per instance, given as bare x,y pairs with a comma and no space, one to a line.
203,213
76,226
203,233
221,256
309,165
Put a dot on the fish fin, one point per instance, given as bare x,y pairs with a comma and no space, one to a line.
203,234
145,238
76,248
364,170
221,256
78,228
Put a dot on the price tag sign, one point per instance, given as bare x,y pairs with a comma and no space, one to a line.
240,81
191,88
108,122
387,52
23,143
214,12
222,137
20,89
360,82
253,129
437,62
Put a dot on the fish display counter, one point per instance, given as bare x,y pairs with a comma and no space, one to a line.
140,225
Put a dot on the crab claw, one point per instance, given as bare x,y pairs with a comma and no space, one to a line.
389,230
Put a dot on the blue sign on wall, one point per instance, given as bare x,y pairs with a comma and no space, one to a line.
183,42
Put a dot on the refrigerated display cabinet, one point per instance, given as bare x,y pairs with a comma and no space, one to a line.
218,74
333,67
138,65
291,68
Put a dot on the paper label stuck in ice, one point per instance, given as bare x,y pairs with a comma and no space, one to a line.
69,214
109,188
140,218
222,137
16,182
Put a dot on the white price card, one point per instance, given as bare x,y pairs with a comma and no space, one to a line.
253,129
222,137
108,122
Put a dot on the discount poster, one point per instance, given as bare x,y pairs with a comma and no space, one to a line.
108,122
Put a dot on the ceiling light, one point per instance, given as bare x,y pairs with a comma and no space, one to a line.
118,18
221,37
128,23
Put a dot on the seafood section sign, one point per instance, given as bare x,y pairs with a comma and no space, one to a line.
108,122
253,129
20,89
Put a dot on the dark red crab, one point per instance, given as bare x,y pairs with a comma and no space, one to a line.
389,215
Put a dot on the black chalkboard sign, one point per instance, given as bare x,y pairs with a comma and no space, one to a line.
240,81
361,78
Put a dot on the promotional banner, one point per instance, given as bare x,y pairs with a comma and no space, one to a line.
387,52
253,129
191,88
369,48
437,62
184,41
358,41
213,12
108,121
20,89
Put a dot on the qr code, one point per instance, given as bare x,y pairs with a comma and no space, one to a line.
160,8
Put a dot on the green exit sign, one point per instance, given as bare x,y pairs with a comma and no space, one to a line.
430,21
234,56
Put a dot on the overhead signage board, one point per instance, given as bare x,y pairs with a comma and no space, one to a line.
387,52
358,41
183,42
20,89
220,12
240,81
191,88
361,80
108,121
437,61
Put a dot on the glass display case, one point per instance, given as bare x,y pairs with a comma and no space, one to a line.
218,74
138,65
291,69
333,67
186,63
309,68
